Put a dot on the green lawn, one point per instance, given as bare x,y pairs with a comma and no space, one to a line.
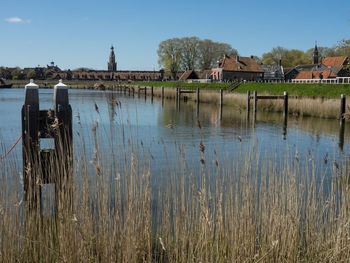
309,90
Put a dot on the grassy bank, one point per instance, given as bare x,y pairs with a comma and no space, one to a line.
248,207
303,90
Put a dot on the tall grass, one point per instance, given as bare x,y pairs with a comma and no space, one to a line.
246,207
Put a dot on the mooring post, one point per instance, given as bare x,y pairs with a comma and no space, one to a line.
221,103
138,91
248,101
63,137
197,103
221,97
342,108
162,96
177,94
152,92
255,101
129,91
285,104
30,145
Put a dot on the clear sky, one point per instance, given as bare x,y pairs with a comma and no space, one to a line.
78,33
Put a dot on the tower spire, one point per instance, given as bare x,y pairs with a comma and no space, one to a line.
315,55
112,65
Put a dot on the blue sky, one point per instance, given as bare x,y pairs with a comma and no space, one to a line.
79,33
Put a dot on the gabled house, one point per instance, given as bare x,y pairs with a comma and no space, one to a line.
273,72
236,68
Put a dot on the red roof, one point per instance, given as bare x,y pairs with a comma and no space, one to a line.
334,62
237,63
315,74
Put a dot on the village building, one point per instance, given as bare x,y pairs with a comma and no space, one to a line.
273,72
236,68
329,68
195,76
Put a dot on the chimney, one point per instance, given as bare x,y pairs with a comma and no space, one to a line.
237,58
251,56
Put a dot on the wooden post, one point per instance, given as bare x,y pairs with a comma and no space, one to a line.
255,101
285,104
145,92
221,97
197,103
248,101
342,108
138,91
152,92
177,94
63,146
30,145
162,96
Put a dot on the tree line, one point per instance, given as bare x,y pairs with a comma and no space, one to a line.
181,54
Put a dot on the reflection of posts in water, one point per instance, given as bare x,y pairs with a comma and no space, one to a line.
284,129
221,102
51,166
341,136
162,96
197,102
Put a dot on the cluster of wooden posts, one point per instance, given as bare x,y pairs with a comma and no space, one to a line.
46,166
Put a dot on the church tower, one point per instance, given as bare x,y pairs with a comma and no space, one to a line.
315,56
112,66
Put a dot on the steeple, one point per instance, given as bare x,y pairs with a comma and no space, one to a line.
315,55
112,66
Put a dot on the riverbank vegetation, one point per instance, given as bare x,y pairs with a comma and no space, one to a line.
250,206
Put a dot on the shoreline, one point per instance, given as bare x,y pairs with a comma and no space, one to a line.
313,106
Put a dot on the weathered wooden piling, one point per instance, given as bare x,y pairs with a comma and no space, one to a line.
162,96
197,102
152,92
342,108
285,104
221,97
255,101
248,101
138,91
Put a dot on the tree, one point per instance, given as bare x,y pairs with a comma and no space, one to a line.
5,73
17,73
273,57
210,52
31,74
189,52
169,55
290,58
343,47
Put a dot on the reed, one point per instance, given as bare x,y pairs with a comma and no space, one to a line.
249,206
